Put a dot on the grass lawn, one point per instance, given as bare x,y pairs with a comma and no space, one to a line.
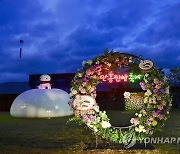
20,135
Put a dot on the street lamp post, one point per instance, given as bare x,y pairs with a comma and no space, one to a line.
20,51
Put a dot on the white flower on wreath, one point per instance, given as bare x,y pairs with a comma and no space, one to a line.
79,75
154,122
152,100
96,108
103,114
74,92
148,92
167,90
97,62
98,119
95,129
146,75
105,124
83,63
140,129
127,94
88,124
140,115
146,100
146,81
89,62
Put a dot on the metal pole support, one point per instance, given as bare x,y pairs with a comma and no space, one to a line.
96,140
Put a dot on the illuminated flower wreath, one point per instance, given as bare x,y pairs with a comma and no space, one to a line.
157,100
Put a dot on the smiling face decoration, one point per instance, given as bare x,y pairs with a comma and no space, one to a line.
45,78
146,65
84,104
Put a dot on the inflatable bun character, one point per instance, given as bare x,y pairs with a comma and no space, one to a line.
84,104
44,82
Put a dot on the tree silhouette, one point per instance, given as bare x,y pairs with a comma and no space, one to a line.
175,79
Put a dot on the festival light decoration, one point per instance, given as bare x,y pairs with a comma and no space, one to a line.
111,77
114,77
156,97
133,77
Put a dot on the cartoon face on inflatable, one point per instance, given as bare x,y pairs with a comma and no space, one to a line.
84,102
146,65
45,77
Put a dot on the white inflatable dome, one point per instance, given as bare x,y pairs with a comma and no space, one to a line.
41,103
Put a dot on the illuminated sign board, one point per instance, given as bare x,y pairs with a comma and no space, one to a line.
133,77
112,77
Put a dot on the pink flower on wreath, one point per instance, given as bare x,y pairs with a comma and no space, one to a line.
85,117
134,121
116,60
156,80
142,85
92,89
147,131
160,107
94,95
108,64
155,91
98,73
164,103
154,114
158,86
162,90
84,84
147,122
161,116
85,79
158,97
144,112
89,72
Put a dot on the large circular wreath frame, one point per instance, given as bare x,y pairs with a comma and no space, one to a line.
157,100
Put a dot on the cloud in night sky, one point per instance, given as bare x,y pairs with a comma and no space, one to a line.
59,34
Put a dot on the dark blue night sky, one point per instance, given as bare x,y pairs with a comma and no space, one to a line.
59,34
